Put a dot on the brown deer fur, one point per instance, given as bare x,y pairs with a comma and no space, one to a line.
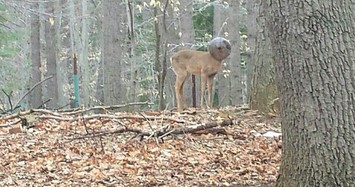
204,64
187,62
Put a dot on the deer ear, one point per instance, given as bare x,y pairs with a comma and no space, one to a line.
227,44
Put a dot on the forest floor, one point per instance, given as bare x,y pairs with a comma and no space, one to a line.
219,147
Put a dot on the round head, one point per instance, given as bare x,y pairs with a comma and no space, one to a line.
219,48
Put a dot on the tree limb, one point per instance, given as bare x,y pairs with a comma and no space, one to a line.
160,132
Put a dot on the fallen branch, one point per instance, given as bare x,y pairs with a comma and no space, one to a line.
86,117
27,112
159,133
83,110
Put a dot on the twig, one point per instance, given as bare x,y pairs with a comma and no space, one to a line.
11,123
8,98
45,102
33,87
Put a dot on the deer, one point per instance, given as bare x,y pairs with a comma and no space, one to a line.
205,64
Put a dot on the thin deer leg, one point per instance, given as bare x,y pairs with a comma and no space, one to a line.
209,90
203,89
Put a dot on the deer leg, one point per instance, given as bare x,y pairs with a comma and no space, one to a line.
179,91
203,89
209,91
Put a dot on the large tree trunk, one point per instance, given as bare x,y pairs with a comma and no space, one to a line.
35,98
313,46
263,90
112,52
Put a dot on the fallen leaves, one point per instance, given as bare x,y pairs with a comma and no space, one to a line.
42,155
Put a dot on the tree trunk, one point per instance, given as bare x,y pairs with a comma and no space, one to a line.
74,35
161,51
130,51
51,56
35,98
236,93
226,23
252,7
187,40
263,90
112,52
61,69
313,50
83,58
222,84
173,40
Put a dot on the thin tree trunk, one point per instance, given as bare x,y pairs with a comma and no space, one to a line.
83,58
187,40
236,93
158,62
35,98
252,7
61,69
222,84
51,56
131,57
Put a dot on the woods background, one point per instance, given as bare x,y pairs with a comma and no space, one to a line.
123,49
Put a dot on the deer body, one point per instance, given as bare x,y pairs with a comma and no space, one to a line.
187,62
204,64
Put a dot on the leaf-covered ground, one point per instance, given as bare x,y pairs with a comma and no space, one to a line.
90,150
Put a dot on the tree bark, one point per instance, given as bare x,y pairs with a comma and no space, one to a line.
83,56
313,47
263,88
252,7
187,40
51,56
236,95
222,84
35,98
112,52
131,44
226,21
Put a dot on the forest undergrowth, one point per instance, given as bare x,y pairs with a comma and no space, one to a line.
228,146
